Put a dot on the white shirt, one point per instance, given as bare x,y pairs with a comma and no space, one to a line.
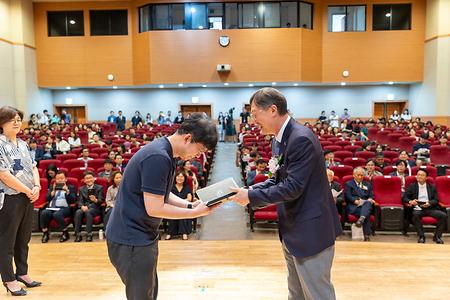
423,193
279,136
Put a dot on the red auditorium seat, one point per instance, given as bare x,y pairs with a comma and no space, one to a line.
406,143
443,191
393,140
354,162
390,155
382,137
365,154
268,213
41,201
73,163
432,171
99,150
389,169
326,143
78,173
342,143
440,155
372,132
92,146
332,148
63,157
96,163
388,195
352,148
44,163
341,154
342,170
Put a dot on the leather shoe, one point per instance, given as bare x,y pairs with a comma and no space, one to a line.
45,237
438,240
421,240
89,237
78,238
366,238
20,292
359,222
29,284
64,237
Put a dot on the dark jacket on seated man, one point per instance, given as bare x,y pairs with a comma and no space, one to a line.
421,210
71,197
83,196
340,198
363,191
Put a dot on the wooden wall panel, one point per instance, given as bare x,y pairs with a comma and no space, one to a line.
254,55
85,60
375,56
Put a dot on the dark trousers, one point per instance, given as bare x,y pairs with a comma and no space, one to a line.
136,267
435,213
15,233
180,226
90,214
106,218
48,215
362,211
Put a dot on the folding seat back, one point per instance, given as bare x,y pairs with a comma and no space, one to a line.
388,195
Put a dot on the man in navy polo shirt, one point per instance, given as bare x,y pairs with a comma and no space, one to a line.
144,198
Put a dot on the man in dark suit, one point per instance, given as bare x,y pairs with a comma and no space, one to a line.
121,121
359,199
422,197
308,220
36,152
59,197
90,199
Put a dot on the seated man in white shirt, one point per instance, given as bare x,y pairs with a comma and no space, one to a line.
85,157
422,197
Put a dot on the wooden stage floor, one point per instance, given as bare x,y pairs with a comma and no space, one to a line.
248,269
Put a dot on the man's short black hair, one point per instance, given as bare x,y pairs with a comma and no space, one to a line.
423,170
260,161
267,97
88,173
399,162
201,128
108,161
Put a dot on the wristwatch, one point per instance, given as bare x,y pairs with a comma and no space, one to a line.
189,206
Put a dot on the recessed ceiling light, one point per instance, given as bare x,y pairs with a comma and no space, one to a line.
274,83
343,83
180,85
204,85
391,82
296,84
115,87
250,85
72,22
68,87
161,86
226,84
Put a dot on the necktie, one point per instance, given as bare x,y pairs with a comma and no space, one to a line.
276,147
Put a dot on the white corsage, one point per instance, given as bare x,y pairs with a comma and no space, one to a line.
274,164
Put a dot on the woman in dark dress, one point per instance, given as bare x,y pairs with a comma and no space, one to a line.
182,190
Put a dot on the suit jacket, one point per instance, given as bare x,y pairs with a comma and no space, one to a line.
307,216
70,198
413,193
337,187
354,192
83,198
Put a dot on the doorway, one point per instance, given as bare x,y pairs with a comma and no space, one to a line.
191,108
77,112
384,109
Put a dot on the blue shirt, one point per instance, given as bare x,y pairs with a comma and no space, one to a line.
150,170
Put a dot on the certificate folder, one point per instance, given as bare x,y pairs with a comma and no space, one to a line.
217,192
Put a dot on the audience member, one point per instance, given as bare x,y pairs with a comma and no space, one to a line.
359,198
422,149
60,196
423,198
184,226
136,119
90,198
401,171
50,173
370,170
85,157
74,141
329,159
345,115
379,161
36,152
108,169
336,190
120,121
111,118
261,166
118,163
62,146
111,193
